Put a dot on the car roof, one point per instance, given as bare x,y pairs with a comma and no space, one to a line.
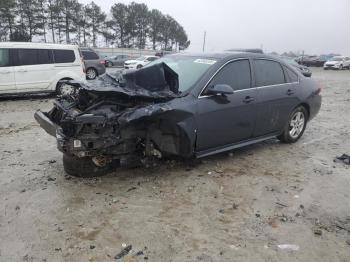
226,55
36,45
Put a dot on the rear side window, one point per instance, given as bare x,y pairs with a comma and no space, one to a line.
90,55
4,57
290,75
268,73
64,56
34,56
236,74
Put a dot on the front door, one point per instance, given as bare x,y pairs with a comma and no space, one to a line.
227,119
7,74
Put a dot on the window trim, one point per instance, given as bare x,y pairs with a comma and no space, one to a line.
219,69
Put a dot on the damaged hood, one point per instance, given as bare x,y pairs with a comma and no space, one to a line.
158,81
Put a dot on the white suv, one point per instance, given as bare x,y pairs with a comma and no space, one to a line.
337,62
139,62
38,67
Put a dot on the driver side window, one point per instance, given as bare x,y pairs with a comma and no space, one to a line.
236,74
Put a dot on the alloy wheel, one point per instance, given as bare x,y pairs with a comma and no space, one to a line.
296,125
91,74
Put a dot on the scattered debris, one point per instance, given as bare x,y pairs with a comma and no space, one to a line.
92,246
235,206
221,211
51,178
124,252
289,247
17,208
131,188
344,158
280,204
257,215
318,232
52,161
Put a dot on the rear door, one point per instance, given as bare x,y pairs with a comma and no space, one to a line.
223,120
34,70
7,73
276,95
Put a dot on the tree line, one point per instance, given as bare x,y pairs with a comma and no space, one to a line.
68,21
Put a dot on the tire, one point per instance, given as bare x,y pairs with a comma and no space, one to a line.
109,64
84,167
91,74
139,66
62,88
298,118
341,67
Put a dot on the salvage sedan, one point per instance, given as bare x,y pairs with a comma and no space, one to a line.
180,105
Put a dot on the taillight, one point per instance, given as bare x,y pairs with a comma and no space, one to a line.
103,62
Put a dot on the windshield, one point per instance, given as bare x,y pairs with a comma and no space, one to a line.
189,69
336,59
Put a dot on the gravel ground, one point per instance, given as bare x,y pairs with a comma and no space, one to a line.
266,202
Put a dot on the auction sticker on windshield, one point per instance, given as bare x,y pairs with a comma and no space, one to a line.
205,61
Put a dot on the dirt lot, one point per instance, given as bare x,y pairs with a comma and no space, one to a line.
237,206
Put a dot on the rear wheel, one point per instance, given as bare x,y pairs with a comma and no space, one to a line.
295,127
85,167
91,73
109,64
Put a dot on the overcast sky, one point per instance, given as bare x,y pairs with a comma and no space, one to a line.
316,26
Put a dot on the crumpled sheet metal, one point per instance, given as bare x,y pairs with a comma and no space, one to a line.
154,82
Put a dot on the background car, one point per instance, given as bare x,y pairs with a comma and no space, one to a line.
117,60
38,67
139,62
337,62
94,65
303,69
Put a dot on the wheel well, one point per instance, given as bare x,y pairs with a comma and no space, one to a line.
91,68
307,107
65,78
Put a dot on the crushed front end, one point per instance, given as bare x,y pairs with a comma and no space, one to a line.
110,121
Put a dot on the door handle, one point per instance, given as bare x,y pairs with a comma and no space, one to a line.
248,99
290,92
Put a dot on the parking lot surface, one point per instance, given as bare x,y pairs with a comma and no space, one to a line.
265,202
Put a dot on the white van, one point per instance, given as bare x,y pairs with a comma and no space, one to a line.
38,67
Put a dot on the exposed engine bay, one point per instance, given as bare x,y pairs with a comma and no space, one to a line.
119,118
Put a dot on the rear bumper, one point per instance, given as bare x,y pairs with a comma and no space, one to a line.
45,123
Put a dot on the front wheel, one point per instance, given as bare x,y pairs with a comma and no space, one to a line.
85,166
295,127
341,67
139,66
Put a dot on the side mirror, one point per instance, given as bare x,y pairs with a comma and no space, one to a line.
220,89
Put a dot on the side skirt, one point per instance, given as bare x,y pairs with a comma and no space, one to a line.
229,147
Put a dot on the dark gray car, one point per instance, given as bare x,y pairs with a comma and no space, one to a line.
94,65
117,60
180,105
